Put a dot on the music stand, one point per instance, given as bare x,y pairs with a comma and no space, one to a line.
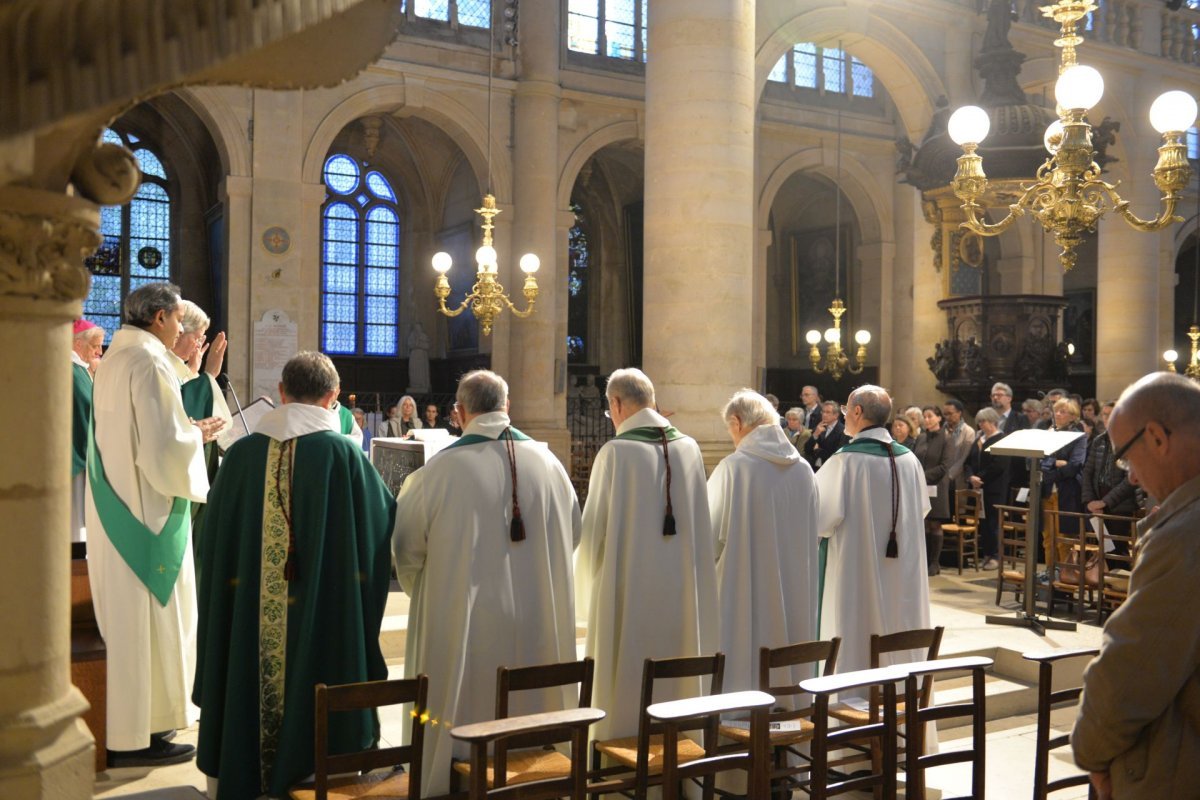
1033,445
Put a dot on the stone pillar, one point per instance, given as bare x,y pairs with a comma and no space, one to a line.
1127,290
535,346
894,340
236,191
928,321
45,749
699,213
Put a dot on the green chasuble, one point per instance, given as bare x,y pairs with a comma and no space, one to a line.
346,419
197,397
81,417
264,642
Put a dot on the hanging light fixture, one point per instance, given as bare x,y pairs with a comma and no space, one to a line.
487,298
836,362
1068,197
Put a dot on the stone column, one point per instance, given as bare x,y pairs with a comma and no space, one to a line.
236,190
928,321
535,344
1127,290
699,213
45,749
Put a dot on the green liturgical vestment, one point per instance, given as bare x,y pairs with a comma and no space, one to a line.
311,508
81,417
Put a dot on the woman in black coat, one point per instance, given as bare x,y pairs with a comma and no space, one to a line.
934,452
991,474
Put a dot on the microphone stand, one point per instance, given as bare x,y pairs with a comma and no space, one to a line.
236,402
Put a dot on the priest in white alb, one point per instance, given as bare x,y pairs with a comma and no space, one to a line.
483,541
145,467
872,509
645,572
763,503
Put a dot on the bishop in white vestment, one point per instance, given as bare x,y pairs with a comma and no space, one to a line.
645,573
873,504
146,465
763,503
483,542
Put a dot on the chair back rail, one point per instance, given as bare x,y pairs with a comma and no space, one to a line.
916,761
1048,698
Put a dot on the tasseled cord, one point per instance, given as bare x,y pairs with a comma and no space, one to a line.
893,550
669,517
291,570
516,530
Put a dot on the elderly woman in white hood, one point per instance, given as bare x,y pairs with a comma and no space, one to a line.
763,502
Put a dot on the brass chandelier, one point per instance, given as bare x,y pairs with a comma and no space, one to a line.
836,362
1068,197
487,297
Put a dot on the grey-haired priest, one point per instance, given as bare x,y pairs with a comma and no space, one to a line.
483,542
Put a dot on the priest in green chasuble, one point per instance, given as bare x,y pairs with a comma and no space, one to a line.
645,574
86,349
872,510
483,542
295,547
145,467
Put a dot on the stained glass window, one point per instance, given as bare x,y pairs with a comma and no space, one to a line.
1193,143
360,263
805,55
826,68
579,256
779,71
834,67
475,13
432,9
861,78
613,28
136,239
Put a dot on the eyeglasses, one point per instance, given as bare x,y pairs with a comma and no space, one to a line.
607,414
1119,453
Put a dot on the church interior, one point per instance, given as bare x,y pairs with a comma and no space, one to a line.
700,180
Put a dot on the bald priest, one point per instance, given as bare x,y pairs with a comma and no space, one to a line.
295,544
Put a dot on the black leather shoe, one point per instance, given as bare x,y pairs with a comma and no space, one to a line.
165,736
158,754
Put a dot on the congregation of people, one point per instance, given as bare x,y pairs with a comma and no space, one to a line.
821,524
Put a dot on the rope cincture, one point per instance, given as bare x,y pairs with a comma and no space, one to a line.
291,570
669,516
516,530
893,549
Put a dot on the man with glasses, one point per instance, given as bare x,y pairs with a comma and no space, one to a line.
1136,729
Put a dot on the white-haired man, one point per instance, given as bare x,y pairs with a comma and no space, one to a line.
873,505
145,468
763,504
296,561
484,537
645,574
86,349
1136,728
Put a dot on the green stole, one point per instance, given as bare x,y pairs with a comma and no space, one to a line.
476,438
197,397
510,435
154,558
346,418
81,417
650,434
871,447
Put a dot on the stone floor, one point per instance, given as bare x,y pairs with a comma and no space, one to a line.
958,603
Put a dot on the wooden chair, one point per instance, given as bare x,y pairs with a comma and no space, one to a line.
1047,699
964,530
644,753
1118,564
1014,522
570,725
785,743
881,683
674,715
530,757
393,785
916,761
1088,565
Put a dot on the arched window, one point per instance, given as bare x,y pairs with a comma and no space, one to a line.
360,261
612,28
471,13
136,246
579,255
827,69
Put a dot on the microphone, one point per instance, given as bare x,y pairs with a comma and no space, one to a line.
236,402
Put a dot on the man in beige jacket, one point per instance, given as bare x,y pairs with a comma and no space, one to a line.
1137,730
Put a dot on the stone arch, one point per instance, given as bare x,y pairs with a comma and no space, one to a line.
898,63
227,131
415,98
874,218
591,144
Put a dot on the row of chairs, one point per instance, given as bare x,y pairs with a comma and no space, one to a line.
779,748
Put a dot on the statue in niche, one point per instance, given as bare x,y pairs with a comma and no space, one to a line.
418,360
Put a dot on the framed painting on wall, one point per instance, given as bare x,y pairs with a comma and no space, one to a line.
814,282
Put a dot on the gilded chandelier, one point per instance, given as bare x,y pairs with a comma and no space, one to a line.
1193,367
836,360
487,298
1068,196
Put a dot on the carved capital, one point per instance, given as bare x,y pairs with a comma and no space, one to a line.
107,174
44,238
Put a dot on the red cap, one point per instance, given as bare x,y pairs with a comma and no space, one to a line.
82,325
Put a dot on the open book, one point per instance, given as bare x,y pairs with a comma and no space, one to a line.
246,422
